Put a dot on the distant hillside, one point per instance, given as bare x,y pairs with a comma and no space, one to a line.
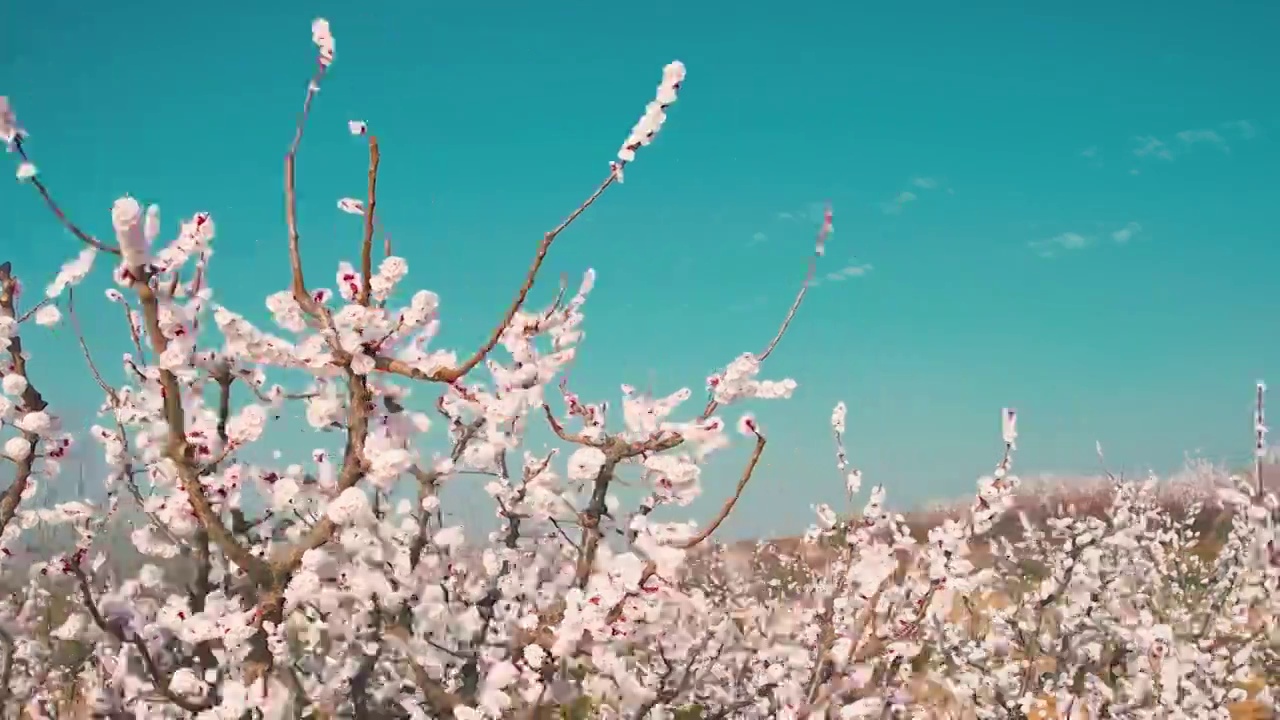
1038,499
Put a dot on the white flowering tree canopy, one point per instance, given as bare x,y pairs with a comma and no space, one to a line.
334,585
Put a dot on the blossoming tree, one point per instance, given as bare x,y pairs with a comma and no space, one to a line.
316,588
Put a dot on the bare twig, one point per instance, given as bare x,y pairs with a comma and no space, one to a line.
575,438
31,399
114,397
452,374
733,499
823,232
366,246
40,187
158,677
178,450
6,669
791,312
440,699
84,349
299,285
615,451
1260,443
35,309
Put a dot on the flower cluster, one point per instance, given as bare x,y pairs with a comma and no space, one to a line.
10,131
655,114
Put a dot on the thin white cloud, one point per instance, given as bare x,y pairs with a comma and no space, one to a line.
1071,241
900,201
1246,129
1203,137
811,212
1151,146
849,271
1063,242
852,270
758,238
754,303
905,197
1090,152
1126,233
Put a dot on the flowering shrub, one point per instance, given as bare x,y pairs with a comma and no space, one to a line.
331,587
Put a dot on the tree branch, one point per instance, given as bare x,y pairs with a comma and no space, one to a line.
438,697
733,499
178,450
299,285
452,374
158,677
40,187
366,246
113,396
32,401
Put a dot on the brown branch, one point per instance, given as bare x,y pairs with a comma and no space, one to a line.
133,330
366,246
276,574
590,531
158,677
733,499
428,484
32,401
470,672
28,314
84,350
178,449
438,697
114,396
575,438
1260,431
712,405
257,392
663,441
615,450
590,519
279,571
6,669
299,285
452,374
40,187
361,405
791,313
544,246
199,591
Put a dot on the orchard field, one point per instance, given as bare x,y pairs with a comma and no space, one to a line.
210,583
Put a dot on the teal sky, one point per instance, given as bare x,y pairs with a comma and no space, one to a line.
1071,210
